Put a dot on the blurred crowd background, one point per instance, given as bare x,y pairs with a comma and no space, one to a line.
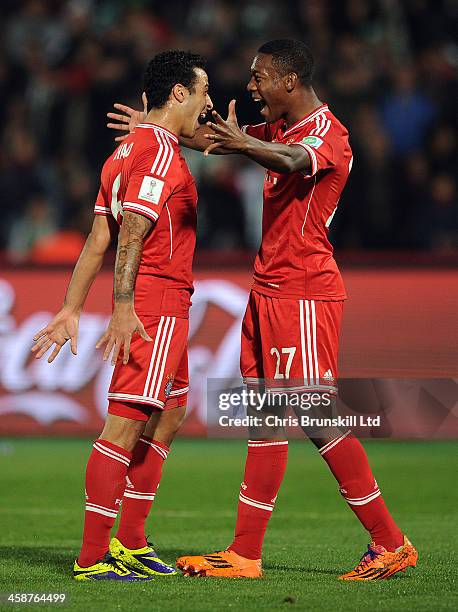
387,68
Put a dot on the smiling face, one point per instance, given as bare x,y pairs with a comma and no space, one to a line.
268,88
197,104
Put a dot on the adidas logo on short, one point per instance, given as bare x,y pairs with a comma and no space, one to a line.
328,375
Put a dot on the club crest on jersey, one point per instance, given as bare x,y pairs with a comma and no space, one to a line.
312,141
151,189
168,385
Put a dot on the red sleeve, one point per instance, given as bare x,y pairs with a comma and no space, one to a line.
321,150
102,203
155,174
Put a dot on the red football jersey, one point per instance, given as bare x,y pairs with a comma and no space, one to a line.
148,175
295,258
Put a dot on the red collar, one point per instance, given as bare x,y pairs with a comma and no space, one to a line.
154,126
299,124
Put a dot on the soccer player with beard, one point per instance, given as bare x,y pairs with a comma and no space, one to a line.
148,199
291,327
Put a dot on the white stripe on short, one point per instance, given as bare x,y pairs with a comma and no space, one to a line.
164,359
157,355
179,391
141,399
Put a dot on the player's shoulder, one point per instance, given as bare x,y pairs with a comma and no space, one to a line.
321,122
336,124
152,149
145,140
321,127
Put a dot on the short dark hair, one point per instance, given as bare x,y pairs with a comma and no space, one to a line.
289,55
165,70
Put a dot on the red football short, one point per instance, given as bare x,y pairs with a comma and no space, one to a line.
290,343
156,375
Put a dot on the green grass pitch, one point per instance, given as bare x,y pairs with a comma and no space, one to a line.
312,537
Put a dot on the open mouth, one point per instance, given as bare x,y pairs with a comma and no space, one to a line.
263,106
203,117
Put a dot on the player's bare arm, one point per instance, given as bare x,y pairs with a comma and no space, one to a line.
64,326
124,320
227,137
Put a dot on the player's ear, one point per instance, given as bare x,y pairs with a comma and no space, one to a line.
179,92
290,81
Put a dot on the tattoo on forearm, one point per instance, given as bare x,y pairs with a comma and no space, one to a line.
130,246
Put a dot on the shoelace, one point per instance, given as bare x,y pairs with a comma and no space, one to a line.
111,561
368,556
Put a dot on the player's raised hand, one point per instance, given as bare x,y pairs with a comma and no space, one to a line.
227,137
123,324
62,328
130,119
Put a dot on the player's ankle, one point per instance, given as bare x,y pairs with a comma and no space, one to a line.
390,543
134,543
245,554
85,561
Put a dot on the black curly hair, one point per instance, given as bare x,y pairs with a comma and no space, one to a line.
289,55
165,70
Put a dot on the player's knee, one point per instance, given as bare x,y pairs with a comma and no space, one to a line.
169,424
122,432
176,419
267,429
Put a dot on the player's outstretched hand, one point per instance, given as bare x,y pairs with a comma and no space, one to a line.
123,324
128,121
227,137
62,328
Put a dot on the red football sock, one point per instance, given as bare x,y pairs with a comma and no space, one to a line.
264,471
105,483
143,479
348,462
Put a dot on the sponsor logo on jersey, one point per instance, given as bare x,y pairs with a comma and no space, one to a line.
151,189
312,141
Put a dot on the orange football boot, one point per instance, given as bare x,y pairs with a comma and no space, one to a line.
378,563
224,564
